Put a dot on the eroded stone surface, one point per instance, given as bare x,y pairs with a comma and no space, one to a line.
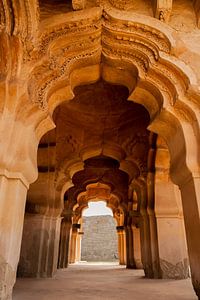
99,241
88,63
7,279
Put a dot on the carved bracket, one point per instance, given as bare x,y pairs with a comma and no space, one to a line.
163,9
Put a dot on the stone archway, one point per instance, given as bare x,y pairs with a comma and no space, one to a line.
73,214
126,49
165,88
99,241
158,96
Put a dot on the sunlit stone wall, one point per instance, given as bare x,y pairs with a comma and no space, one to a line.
99,242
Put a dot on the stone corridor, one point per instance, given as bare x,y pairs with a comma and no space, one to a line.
102,281
100,101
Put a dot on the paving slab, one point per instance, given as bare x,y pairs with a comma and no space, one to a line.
99,281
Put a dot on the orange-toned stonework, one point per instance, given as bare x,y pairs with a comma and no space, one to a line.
99,100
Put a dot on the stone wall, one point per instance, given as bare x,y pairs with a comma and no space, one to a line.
99,242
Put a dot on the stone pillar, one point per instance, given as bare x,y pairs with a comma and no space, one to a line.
12,204
121,245
39,251
146,247
190,192
155,265
18,168
137,247
65,233
173,257
73,243
130,260
145,235
78,247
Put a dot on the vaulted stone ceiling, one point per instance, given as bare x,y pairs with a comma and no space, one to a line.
101,135
99,118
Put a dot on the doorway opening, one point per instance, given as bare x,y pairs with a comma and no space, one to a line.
99,240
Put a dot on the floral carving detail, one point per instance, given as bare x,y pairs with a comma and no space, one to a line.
177,271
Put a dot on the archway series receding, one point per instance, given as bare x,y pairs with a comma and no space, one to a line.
102,139
118,54
94,192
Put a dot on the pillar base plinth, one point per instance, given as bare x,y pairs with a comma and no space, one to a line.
180,270
196,286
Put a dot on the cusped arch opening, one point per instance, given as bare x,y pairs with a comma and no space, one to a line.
97,208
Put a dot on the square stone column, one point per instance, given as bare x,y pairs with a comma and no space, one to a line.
137,247
12,204
65,234
73,243
173,257
190,192
78,250
121,245
40,242
130,260
145,237
172,249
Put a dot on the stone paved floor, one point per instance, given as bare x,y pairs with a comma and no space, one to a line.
102,282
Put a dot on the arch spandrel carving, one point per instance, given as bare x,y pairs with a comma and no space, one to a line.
160,77
138,41
154,109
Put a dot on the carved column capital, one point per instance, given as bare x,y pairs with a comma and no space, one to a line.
163,10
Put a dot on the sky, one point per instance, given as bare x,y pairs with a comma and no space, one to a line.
97,209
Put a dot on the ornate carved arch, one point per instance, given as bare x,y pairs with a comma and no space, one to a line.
95,192
120,48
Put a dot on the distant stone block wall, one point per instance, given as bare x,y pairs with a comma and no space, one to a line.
99,242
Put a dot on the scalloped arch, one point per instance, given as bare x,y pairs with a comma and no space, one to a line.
129,51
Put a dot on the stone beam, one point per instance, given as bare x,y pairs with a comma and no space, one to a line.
162,9
78,4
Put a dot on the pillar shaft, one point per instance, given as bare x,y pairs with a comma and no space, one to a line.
64,243
190,192
73,246
173,257
130,260
12,205
146,245
137,247
40,242
121,247
78,248
156,272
